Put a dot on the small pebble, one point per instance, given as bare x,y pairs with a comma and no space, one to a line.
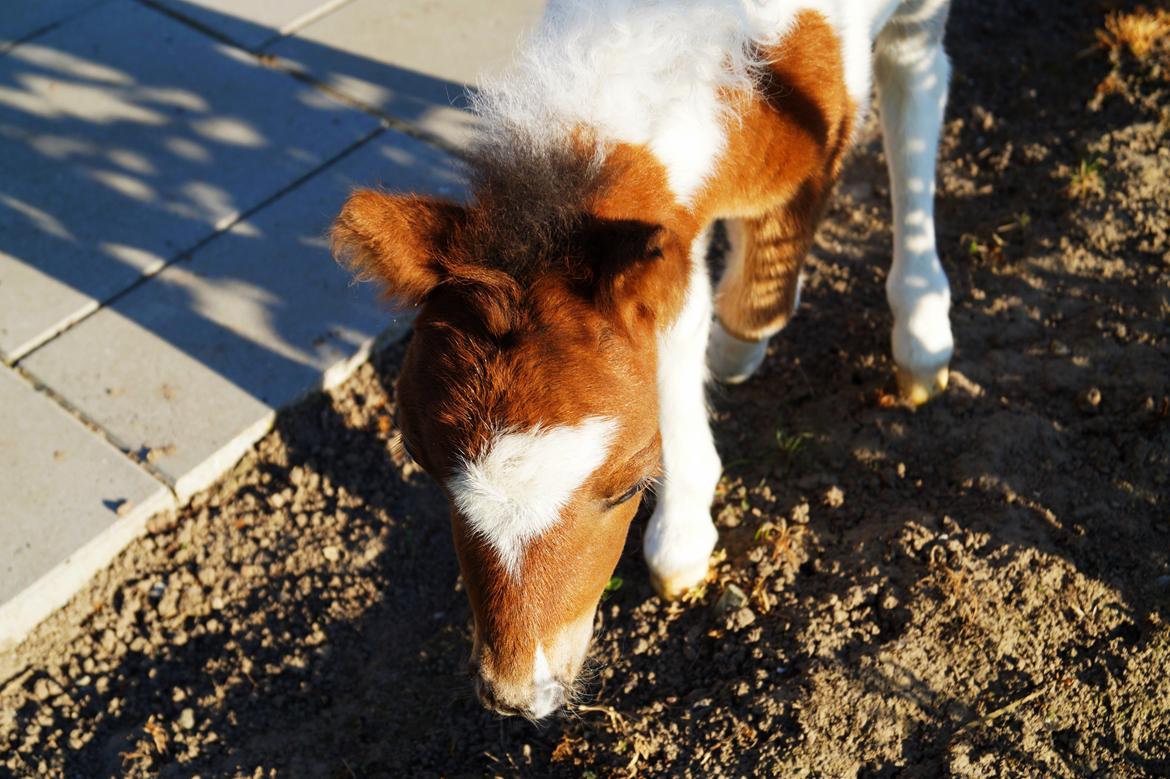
742,618
1090,400
45,689
730,599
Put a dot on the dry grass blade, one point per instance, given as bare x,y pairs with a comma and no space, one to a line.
157,733
1002,710
616,720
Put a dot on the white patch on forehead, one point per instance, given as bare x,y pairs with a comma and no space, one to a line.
514,490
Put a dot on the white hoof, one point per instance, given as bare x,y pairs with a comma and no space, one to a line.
921,340
732,360
678,547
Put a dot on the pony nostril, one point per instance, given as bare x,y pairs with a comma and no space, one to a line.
491,702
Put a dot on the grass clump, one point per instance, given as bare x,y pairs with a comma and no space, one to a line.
1139,31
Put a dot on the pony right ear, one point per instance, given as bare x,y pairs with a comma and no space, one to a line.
395,239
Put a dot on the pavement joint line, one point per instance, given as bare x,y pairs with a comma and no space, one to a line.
301,22
94,427
39,386
223,226
82,312
277,63
196,25
270,61
7,46
59,586
389,121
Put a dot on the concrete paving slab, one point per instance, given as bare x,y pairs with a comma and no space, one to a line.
21,18
126,137
188,368
251,23
411,59
68,503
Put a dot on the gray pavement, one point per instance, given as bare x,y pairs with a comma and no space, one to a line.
169,172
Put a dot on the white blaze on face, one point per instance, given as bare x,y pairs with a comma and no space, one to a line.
514,490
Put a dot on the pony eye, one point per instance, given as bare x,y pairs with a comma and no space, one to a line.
402,445
630,493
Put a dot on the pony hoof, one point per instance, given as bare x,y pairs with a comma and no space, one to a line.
678,545
917,389
678,584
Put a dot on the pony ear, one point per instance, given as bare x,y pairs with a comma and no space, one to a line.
395,239
642,272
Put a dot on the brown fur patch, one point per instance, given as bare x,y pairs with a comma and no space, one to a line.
778,172
757,293
791,137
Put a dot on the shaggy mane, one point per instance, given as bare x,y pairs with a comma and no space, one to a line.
663,74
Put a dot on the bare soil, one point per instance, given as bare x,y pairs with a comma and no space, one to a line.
977,588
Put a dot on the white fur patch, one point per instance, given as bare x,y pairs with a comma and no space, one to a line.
652,72
547,692
514,490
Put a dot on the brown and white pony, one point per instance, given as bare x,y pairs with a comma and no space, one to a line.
566,322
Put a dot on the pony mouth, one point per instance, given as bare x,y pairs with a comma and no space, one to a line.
547,698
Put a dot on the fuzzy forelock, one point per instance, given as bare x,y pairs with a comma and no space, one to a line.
531,197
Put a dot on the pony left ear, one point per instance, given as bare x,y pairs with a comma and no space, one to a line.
396,239
642,272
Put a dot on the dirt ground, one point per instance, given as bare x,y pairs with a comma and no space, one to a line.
977,588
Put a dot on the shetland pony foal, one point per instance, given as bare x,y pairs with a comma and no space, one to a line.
558,358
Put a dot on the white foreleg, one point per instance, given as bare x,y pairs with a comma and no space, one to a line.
681,536
912,74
